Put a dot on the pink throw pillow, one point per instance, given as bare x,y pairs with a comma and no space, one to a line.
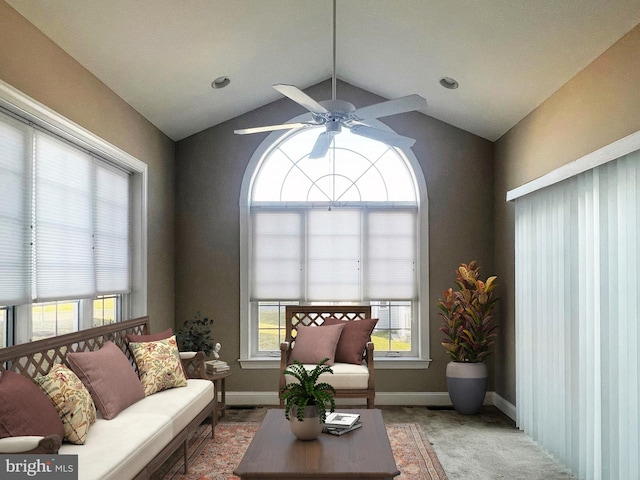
313,344
109,377
152,337
25,409
354,338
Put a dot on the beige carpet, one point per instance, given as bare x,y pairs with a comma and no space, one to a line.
414,455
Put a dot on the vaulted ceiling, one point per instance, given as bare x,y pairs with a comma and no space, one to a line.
162,55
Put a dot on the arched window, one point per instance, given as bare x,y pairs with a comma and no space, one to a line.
346,228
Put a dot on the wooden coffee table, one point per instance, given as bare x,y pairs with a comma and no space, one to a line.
274,452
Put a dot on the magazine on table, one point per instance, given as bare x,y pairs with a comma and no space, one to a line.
341,419
342,430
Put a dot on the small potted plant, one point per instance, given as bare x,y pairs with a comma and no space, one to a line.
195,335
469,326
307,401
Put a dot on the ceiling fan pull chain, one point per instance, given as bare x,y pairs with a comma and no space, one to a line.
333,75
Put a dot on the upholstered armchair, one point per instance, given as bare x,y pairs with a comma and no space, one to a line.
342,334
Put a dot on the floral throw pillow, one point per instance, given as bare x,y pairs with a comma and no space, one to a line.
159,364
72,401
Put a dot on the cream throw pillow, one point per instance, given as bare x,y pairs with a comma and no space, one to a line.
159,365
72,401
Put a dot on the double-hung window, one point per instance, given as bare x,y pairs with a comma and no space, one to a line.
345,228
68,245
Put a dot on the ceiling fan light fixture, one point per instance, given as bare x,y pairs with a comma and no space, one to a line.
333,127
334,114
450,83
220,82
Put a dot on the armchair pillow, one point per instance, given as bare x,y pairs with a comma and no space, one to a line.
25,410
109,377
313,344
353,339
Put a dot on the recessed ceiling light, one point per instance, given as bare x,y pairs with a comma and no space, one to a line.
448,82
220,82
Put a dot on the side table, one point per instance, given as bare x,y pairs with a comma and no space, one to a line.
218,380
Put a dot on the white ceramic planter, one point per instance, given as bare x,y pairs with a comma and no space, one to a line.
467,385
310,427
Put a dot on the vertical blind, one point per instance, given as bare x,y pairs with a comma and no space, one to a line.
65,219
577,305
333,255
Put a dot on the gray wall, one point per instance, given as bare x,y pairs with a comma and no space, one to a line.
33,64
210,166
597,107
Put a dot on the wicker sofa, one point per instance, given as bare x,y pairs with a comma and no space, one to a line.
142,436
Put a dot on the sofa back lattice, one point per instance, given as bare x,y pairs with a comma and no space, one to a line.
36,358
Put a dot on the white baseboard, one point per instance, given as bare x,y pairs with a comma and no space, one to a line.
509,409
382,398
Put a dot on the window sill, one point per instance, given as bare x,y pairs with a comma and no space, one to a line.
382,363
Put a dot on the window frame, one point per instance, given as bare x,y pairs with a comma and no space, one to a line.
17,104
248,360
5,333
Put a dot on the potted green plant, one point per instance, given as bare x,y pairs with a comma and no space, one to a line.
468,316
307,400
195,335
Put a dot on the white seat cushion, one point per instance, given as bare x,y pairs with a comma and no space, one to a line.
345,375
19,444
179,405
121,447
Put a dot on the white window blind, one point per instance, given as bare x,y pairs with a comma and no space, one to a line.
318,254
333,258
15,211
111,225
276,265
390,257
577,310
65,220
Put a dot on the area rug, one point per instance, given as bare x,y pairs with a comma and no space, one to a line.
414,455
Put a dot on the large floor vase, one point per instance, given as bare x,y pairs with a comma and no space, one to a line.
467,385
309,428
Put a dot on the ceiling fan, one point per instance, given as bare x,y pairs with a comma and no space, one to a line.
335,114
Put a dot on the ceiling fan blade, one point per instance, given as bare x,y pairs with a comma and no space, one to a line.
321,146
383,136
301,98
270,128
391,107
